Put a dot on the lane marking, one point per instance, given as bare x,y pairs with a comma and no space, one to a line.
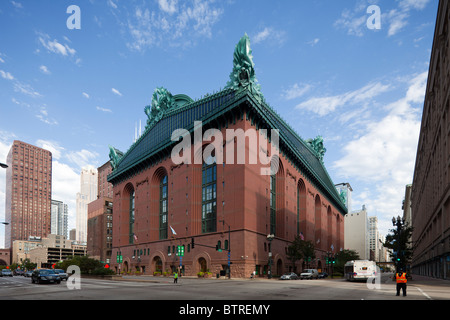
424,293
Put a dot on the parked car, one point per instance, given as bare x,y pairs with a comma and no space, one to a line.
6,273
45,275
289,276
18,272
28,273
309,274
62,274
323,275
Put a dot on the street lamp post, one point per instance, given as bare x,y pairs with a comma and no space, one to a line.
270,238
229,247
4,166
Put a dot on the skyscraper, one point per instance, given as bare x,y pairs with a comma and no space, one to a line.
28,192
88,193
59,218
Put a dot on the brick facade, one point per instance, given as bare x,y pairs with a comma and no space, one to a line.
242,202
430,209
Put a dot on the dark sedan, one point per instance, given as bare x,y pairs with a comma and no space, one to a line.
45,275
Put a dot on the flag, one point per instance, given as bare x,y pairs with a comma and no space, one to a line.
173,231
301,236
135,237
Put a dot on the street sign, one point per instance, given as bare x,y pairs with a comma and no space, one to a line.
180,251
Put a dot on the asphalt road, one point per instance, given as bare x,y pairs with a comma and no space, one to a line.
152,288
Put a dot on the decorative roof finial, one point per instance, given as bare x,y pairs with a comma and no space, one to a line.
317,146
243,74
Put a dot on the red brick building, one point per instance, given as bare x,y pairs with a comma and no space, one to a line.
161,204
28,192
99,239
99,234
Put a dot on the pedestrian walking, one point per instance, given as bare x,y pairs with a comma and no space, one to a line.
175,277
400,277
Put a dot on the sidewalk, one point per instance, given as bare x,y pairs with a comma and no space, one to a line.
428,281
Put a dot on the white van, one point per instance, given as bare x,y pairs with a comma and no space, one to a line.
309,274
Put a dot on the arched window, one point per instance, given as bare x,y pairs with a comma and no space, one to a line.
132,217
209,185
163,208
273,205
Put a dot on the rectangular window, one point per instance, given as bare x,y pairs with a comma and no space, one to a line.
163,208
209,197
273,207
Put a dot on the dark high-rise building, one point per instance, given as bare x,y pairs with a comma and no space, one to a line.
28,192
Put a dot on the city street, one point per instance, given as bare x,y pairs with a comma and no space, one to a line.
160,288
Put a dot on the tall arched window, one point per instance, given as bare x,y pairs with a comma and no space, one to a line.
163,208
273,204
209,196
132,217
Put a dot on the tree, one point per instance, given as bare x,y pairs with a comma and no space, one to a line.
294,251
342,257
399,241
27,264
87,265
308,251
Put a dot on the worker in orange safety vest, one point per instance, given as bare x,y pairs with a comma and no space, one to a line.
401,282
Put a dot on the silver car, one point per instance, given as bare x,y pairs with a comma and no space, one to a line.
62,274
289,276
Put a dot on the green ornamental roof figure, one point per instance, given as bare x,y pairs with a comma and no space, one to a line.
243,74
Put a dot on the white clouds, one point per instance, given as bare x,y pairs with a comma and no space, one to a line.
17,5
112,4
43,116
82,158
19,86
44,70
169,6
269,34
56,47
393,20
51,146
103,109
352,23
296,91
26,89
325,105
116,92
384,154
312,43
174,23
6,75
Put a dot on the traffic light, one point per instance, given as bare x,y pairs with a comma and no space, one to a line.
192,243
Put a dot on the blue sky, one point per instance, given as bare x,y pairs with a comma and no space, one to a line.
326,73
